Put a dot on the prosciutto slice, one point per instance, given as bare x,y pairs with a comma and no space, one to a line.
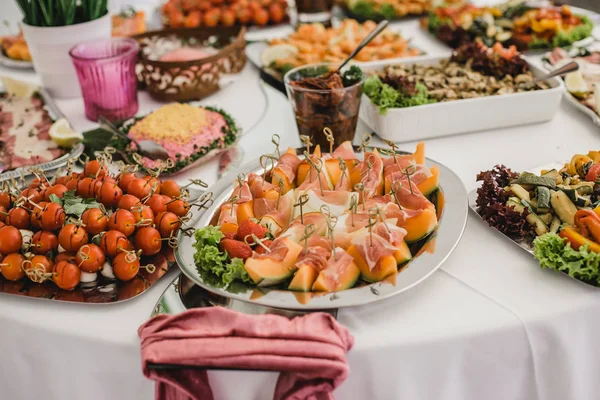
345,151
337,201
389,231
315,257
337,266
372,177
372,247
288,164
258,186
278,251
225,215
421,173
282,215
243,193
263,206
411,200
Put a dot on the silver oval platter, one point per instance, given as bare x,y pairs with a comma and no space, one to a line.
433,251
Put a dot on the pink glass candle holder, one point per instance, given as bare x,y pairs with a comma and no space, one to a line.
106,73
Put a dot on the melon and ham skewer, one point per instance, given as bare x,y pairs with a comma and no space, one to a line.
373,228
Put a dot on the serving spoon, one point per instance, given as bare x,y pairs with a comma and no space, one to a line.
565,69
148,148
378,29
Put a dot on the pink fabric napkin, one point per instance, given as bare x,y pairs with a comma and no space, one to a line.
309,351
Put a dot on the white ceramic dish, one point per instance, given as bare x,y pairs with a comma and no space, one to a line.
18,64
460,116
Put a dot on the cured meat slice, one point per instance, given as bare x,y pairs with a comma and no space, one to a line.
372,177
372,247
345,151
315,257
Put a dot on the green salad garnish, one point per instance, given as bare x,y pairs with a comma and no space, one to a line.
405,94
209,258
554,252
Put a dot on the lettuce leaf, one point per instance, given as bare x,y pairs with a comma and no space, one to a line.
556,253
209,258
385,96
568,37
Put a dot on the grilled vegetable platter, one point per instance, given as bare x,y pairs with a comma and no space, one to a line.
308,229
553,213
102,235
514,22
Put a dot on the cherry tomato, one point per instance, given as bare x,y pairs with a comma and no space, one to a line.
10,239
126,266
170,188
65,256
5,200
122,221
52,217
94,169
66,275
153,183
90,258
12,267
157,203
71,237
43,242
37,267
37,182
128,201
35,217
18,217
109,194
125,179
592,175
167,223
72,184
87,187
95,221
143,215
32,195
148,240
178,207
139,188
58,190
114,242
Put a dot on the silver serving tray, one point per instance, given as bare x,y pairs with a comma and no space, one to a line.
450,230
182,294
75,152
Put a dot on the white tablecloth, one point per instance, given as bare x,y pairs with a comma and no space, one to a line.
488,325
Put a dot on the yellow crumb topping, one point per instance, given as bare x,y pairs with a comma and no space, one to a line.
175,122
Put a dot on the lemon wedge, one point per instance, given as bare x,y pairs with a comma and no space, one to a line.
277,52
63,135
576,84
17,88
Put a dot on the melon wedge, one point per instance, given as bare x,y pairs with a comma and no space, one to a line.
420,226
303,279
431,184
302,172
333,169
402,255
229,227
245,210
386,266
278,176
346,280
267,271
419,154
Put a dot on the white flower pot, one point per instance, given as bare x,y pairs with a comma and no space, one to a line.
49,47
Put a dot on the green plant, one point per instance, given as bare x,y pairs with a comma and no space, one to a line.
61,12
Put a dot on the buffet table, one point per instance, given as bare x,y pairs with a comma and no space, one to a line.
490,324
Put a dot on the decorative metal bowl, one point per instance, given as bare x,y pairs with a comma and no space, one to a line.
194,79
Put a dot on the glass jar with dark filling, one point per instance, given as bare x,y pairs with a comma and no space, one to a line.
323,98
